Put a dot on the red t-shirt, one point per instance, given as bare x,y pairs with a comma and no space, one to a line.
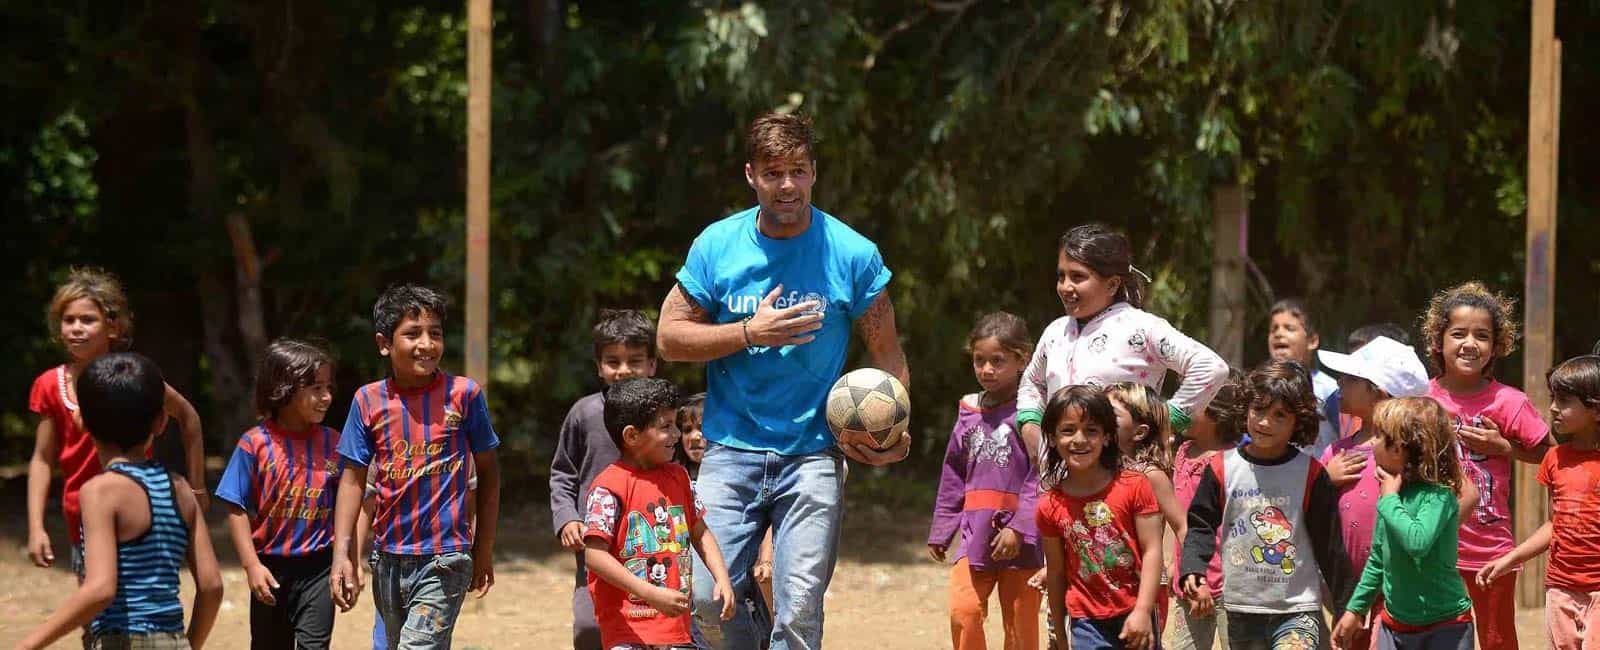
77,458
645,515
1573,476
1102,547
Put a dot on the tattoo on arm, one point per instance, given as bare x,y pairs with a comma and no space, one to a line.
872,321
685,307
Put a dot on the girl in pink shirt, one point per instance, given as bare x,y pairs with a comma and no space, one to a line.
1216,428
1467,329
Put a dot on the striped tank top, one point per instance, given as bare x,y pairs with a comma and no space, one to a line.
148,566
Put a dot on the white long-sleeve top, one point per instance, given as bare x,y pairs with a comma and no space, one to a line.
1123,343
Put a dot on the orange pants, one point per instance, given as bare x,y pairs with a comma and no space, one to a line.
1494,610
969,606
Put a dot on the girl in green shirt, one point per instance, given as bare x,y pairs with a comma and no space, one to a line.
1413,562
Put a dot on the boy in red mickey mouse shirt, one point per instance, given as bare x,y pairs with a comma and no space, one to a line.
640,520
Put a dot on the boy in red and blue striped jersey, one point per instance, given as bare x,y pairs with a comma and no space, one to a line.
425,430
279,486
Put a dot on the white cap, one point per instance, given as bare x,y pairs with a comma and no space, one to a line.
1389,364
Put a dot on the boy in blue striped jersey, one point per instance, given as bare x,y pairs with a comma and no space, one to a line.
141,525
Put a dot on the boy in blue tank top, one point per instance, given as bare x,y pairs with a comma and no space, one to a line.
139,525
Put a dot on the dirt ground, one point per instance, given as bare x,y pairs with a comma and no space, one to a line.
886,594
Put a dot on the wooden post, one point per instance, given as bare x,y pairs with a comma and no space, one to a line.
1544,105
479,53
1230,243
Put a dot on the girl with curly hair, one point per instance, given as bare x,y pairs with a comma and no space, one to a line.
1467,329
1277,556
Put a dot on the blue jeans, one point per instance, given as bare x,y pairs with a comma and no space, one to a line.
800,497
419,597
706,624
1269,631
1106,633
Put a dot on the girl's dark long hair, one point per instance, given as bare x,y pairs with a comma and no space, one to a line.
1107,253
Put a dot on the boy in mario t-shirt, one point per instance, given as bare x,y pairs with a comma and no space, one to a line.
426,430
639,524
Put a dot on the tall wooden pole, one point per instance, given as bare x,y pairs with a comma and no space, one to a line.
479,53
1544,105
1230,227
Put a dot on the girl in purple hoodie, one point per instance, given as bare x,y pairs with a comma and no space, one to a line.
987,495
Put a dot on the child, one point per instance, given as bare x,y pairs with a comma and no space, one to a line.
1267,499
1413,561
1216,428
1571,472
1143,435
1105,338
640,522
1349,424
279,487
1467,329
89,315
140,524
426,430
988,495
624,347
1291,335
1101,529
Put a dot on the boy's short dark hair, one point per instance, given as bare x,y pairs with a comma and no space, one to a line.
1366,333
626,326
286,366
402,300
636,402
119,397
1294,307
1286,382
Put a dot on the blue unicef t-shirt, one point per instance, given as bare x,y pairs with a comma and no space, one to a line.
772,399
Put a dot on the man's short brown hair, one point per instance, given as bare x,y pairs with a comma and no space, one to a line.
779,135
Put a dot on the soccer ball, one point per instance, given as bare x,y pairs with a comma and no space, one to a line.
869,406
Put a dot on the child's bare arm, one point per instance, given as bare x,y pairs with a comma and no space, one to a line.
202,566
1137,632
1172,514
488,518
257,576
46,450
344,580
194,453
99,571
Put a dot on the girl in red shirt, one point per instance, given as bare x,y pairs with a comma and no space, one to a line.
1100,527
89,316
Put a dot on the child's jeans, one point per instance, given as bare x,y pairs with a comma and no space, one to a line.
1190,632
139,641
1105,633
969,606
419,597
1300,631
1573,618
1494,610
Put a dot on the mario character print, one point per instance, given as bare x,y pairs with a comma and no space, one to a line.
1275,549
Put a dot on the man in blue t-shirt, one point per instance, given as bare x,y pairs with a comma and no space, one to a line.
767,299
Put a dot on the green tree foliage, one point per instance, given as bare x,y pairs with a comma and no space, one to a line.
1383,145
